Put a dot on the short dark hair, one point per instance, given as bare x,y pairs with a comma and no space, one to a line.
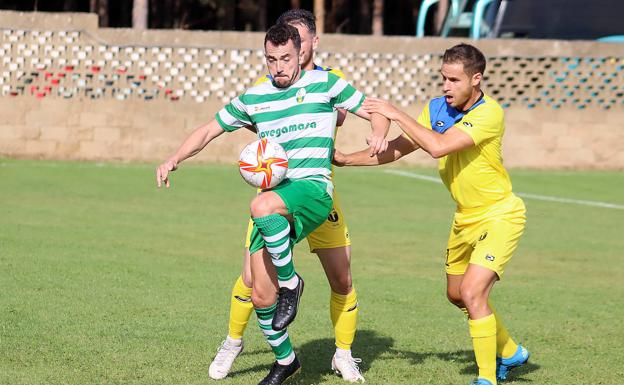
299,16
280,34
472,59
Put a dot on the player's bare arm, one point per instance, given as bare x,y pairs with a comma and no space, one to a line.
434,143
397,148
193,144
380,126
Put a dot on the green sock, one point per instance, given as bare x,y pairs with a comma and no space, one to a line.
279,340
275,231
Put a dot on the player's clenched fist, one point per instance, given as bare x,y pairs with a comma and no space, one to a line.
162,172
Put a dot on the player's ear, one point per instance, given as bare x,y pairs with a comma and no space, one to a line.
476,79
315,42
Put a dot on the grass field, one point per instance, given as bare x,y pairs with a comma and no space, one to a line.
106,280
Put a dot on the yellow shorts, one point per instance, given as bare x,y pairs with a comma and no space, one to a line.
332,233
488,241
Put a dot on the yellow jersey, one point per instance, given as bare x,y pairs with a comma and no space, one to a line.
474,176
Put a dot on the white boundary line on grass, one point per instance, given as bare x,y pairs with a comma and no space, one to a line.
537,197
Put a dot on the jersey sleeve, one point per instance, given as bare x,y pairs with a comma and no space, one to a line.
343,94
233,116
482,124
423,119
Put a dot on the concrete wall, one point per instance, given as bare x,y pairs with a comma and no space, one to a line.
576,124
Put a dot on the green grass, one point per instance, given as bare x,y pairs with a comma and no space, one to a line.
106,280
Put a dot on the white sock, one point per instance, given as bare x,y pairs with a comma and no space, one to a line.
288,360
233,341
291,283
343,352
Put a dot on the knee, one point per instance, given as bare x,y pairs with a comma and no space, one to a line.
455,298
342,284
472,296
262,299
261,206
247,280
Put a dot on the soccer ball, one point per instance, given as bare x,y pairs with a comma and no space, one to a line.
263,164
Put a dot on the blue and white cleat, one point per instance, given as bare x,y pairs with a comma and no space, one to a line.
480,381
504,365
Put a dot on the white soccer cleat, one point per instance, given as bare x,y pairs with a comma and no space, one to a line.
347,367
222,363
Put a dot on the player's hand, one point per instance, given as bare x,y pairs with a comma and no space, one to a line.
162,172
339,159
382,107
377,144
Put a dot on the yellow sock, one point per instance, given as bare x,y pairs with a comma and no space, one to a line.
240,309
483,333
505,345
343,310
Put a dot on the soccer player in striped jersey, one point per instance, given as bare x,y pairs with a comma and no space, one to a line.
464,129
297,110
330,242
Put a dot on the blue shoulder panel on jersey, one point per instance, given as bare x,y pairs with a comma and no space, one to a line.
320,68
443,116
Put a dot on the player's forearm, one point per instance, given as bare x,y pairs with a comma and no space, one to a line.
380,125
363,158
426,139
195,142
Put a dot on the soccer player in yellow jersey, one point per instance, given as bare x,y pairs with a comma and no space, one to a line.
330,242
464,129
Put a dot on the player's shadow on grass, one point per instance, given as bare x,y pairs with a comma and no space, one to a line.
464,358
316,356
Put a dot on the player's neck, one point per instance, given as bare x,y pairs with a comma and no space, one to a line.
309,66
476,95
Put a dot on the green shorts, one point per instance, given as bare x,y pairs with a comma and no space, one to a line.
307,201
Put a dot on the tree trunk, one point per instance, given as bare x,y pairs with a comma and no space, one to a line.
139,14
262,15
319,12
69,6
378,17
440,16
364,24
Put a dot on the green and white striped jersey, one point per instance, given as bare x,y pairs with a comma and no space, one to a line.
302,118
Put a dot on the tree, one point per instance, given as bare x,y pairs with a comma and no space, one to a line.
101,8
378,6
319,12
139,14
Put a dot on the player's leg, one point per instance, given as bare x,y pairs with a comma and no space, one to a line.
269,212
343,308
240,312
241,308
264,299
463,294
494,244
284,216
331,242
240,300
494,248
475,289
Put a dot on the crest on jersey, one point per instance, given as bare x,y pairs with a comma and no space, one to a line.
439,123
301,95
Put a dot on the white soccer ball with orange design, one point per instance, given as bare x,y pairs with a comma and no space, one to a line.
263,164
